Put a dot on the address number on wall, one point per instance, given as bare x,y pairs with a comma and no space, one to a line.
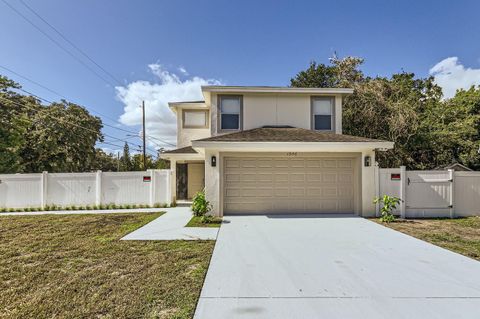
291,153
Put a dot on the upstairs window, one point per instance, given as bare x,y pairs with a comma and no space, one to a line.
195,118
322,113
230,108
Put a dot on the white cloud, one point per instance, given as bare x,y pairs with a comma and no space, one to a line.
160,121
451,75
182,70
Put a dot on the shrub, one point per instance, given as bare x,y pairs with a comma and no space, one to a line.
200,206
389,204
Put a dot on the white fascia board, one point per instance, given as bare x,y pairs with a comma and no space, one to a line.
266,89
292,146
182,156
190,105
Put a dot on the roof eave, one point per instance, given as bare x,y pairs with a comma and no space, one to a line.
307,146
261,89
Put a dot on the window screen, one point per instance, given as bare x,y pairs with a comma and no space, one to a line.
230,109
322,111
194,119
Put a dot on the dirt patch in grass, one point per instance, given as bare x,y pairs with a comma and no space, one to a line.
197,222
461,235
75,266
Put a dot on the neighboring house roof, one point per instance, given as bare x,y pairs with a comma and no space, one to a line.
455,167
183,150
285,134
274,89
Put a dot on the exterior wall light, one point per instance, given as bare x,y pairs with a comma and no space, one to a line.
213,161
367,161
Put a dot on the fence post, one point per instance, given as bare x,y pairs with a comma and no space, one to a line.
44,189
376,173
451,174
403,193
98,188
152,187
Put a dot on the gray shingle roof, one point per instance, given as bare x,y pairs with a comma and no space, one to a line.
183,150
285,134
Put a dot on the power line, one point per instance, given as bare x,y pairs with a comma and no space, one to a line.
91,110
58,44
164,142
70,42
64,97
68,122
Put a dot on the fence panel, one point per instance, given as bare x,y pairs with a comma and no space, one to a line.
467,193
82,189
71,189
126,188
20,190
389,181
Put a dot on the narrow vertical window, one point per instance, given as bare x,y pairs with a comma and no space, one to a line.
230,112
322,113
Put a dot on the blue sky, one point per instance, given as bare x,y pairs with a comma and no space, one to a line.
228,42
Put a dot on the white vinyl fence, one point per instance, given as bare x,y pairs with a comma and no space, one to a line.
81,189
436,193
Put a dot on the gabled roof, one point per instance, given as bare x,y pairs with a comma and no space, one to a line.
285,134
183,150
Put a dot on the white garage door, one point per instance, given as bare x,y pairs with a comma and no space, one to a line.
288,184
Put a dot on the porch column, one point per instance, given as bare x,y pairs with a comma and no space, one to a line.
173,180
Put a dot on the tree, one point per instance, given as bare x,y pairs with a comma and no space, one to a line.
13,124
61,138
125,160
409,111
104,162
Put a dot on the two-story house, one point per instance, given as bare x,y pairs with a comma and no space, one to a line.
272,150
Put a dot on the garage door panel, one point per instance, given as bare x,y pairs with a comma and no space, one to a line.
345,177
314,177
297,177
329,191
281,177
329,163
329,177
282,185
297,191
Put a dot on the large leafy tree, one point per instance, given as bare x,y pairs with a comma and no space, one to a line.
61,138
409,111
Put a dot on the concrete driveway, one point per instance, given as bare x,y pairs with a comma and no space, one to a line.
313,266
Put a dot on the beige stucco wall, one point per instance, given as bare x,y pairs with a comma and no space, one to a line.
276,109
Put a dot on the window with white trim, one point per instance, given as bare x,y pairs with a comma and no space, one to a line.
230,112
322,113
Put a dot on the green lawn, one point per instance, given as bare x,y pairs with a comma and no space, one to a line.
461,235
75,266
197,222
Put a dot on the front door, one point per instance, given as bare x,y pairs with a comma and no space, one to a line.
196,178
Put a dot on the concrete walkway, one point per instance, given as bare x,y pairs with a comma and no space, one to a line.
171,226
299,266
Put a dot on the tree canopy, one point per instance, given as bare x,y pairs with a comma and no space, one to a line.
428,131
59,137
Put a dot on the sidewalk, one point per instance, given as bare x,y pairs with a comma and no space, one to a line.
171,226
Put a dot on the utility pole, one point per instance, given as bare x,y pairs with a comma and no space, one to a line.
118,161
144,137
